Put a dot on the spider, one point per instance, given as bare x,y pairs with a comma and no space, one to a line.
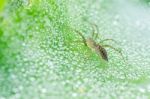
99,48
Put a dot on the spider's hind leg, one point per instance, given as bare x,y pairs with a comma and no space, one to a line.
108,40
118,51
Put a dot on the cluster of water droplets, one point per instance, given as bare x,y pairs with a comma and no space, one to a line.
45,61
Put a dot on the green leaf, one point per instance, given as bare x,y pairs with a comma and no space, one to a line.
42,57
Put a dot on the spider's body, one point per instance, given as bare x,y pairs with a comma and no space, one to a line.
97,47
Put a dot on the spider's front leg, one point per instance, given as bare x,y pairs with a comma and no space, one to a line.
118,51
95,30
83,38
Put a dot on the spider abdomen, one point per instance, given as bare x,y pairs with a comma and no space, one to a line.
102,52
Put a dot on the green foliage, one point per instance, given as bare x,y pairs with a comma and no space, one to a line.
41,58
2,4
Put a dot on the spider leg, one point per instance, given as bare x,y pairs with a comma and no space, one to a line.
116,51
83,38
95,30
108,40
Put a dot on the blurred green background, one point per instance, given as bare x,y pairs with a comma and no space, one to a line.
40,58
